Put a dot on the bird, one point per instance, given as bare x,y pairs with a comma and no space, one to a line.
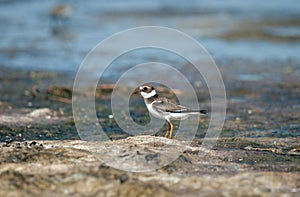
61,11
163,108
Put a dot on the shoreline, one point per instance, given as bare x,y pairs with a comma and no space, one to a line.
44,154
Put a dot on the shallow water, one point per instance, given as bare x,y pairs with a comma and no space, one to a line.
255,44
32,39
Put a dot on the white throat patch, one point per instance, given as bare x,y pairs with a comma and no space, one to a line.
148,95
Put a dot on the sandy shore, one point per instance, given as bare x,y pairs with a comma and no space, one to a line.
257,153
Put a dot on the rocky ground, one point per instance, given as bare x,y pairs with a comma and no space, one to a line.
69,168
257,154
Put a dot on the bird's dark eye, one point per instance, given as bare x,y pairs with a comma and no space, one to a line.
145,88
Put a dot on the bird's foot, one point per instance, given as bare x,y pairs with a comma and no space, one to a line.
167,134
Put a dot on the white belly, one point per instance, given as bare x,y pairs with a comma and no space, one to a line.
178,116
166,115
155,113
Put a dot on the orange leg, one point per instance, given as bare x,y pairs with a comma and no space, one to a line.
170,131
167,133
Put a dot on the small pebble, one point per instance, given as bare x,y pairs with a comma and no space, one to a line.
26,92
123,178
41,112
48,117
198,84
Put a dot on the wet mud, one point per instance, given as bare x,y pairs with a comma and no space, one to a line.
257,154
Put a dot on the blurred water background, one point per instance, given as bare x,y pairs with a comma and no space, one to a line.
56,35
256,45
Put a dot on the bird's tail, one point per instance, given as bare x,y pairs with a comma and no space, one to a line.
201,111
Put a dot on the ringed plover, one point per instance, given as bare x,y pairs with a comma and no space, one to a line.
163,108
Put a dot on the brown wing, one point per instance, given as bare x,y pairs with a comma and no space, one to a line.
164,105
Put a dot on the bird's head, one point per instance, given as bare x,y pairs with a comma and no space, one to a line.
147,91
